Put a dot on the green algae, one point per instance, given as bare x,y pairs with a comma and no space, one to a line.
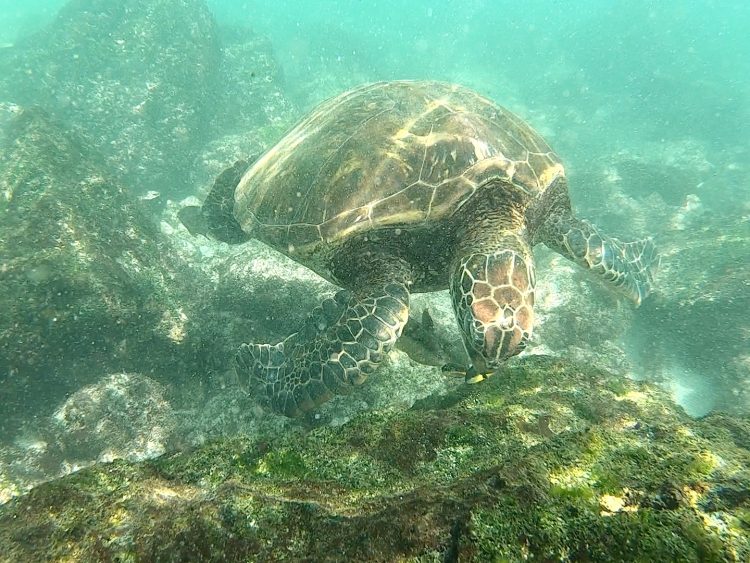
548,460
281,464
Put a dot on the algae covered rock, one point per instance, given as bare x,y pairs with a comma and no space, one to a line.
252,85
251,109
121,416
692,333
88,281
136,77
546,461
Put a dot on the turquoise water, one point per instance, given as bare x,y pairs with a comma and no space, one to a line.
648,104
118,326
681,65
593,77
666,69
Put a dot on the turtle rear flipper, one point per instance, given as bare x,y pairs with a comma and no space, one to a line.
343,341
215,218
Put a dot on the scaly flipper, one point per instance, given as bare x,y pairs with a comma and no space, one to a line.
215,218
343,341
629,266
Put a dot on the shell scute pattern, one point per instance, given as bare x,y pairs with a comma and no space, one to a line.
384,155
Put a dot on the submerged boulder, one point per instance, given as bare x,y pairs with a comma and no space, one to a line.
121,416
155,86
697,330
251,95
89,285
136,77
691,334
251,110
547,460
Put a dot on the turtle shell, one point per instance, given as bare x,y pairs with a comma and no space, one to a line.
403,154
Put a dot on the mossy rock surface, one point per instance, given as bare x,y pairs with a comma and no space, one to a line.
137,78
89,283
546,461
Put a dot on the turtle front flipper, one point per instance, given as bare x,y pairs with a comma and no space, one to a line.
629,266
343,341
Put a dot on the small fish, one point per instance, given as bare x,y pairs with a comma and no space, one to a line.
423,343
469,373
149,195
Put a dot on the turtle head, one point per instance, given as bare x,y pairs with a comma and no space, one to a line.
493,298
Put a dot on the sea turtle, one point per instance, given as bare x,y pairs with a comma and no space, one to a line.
400,187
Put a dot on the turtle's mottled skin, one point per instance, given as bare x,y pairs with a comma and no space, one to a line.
400,187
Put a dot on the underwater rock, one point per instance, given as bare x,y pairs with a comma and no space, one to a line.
578,317
548,460
637,189
89,283
249,290
692,333
136,77
227,411
8,112
252,93
696,332
121,416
